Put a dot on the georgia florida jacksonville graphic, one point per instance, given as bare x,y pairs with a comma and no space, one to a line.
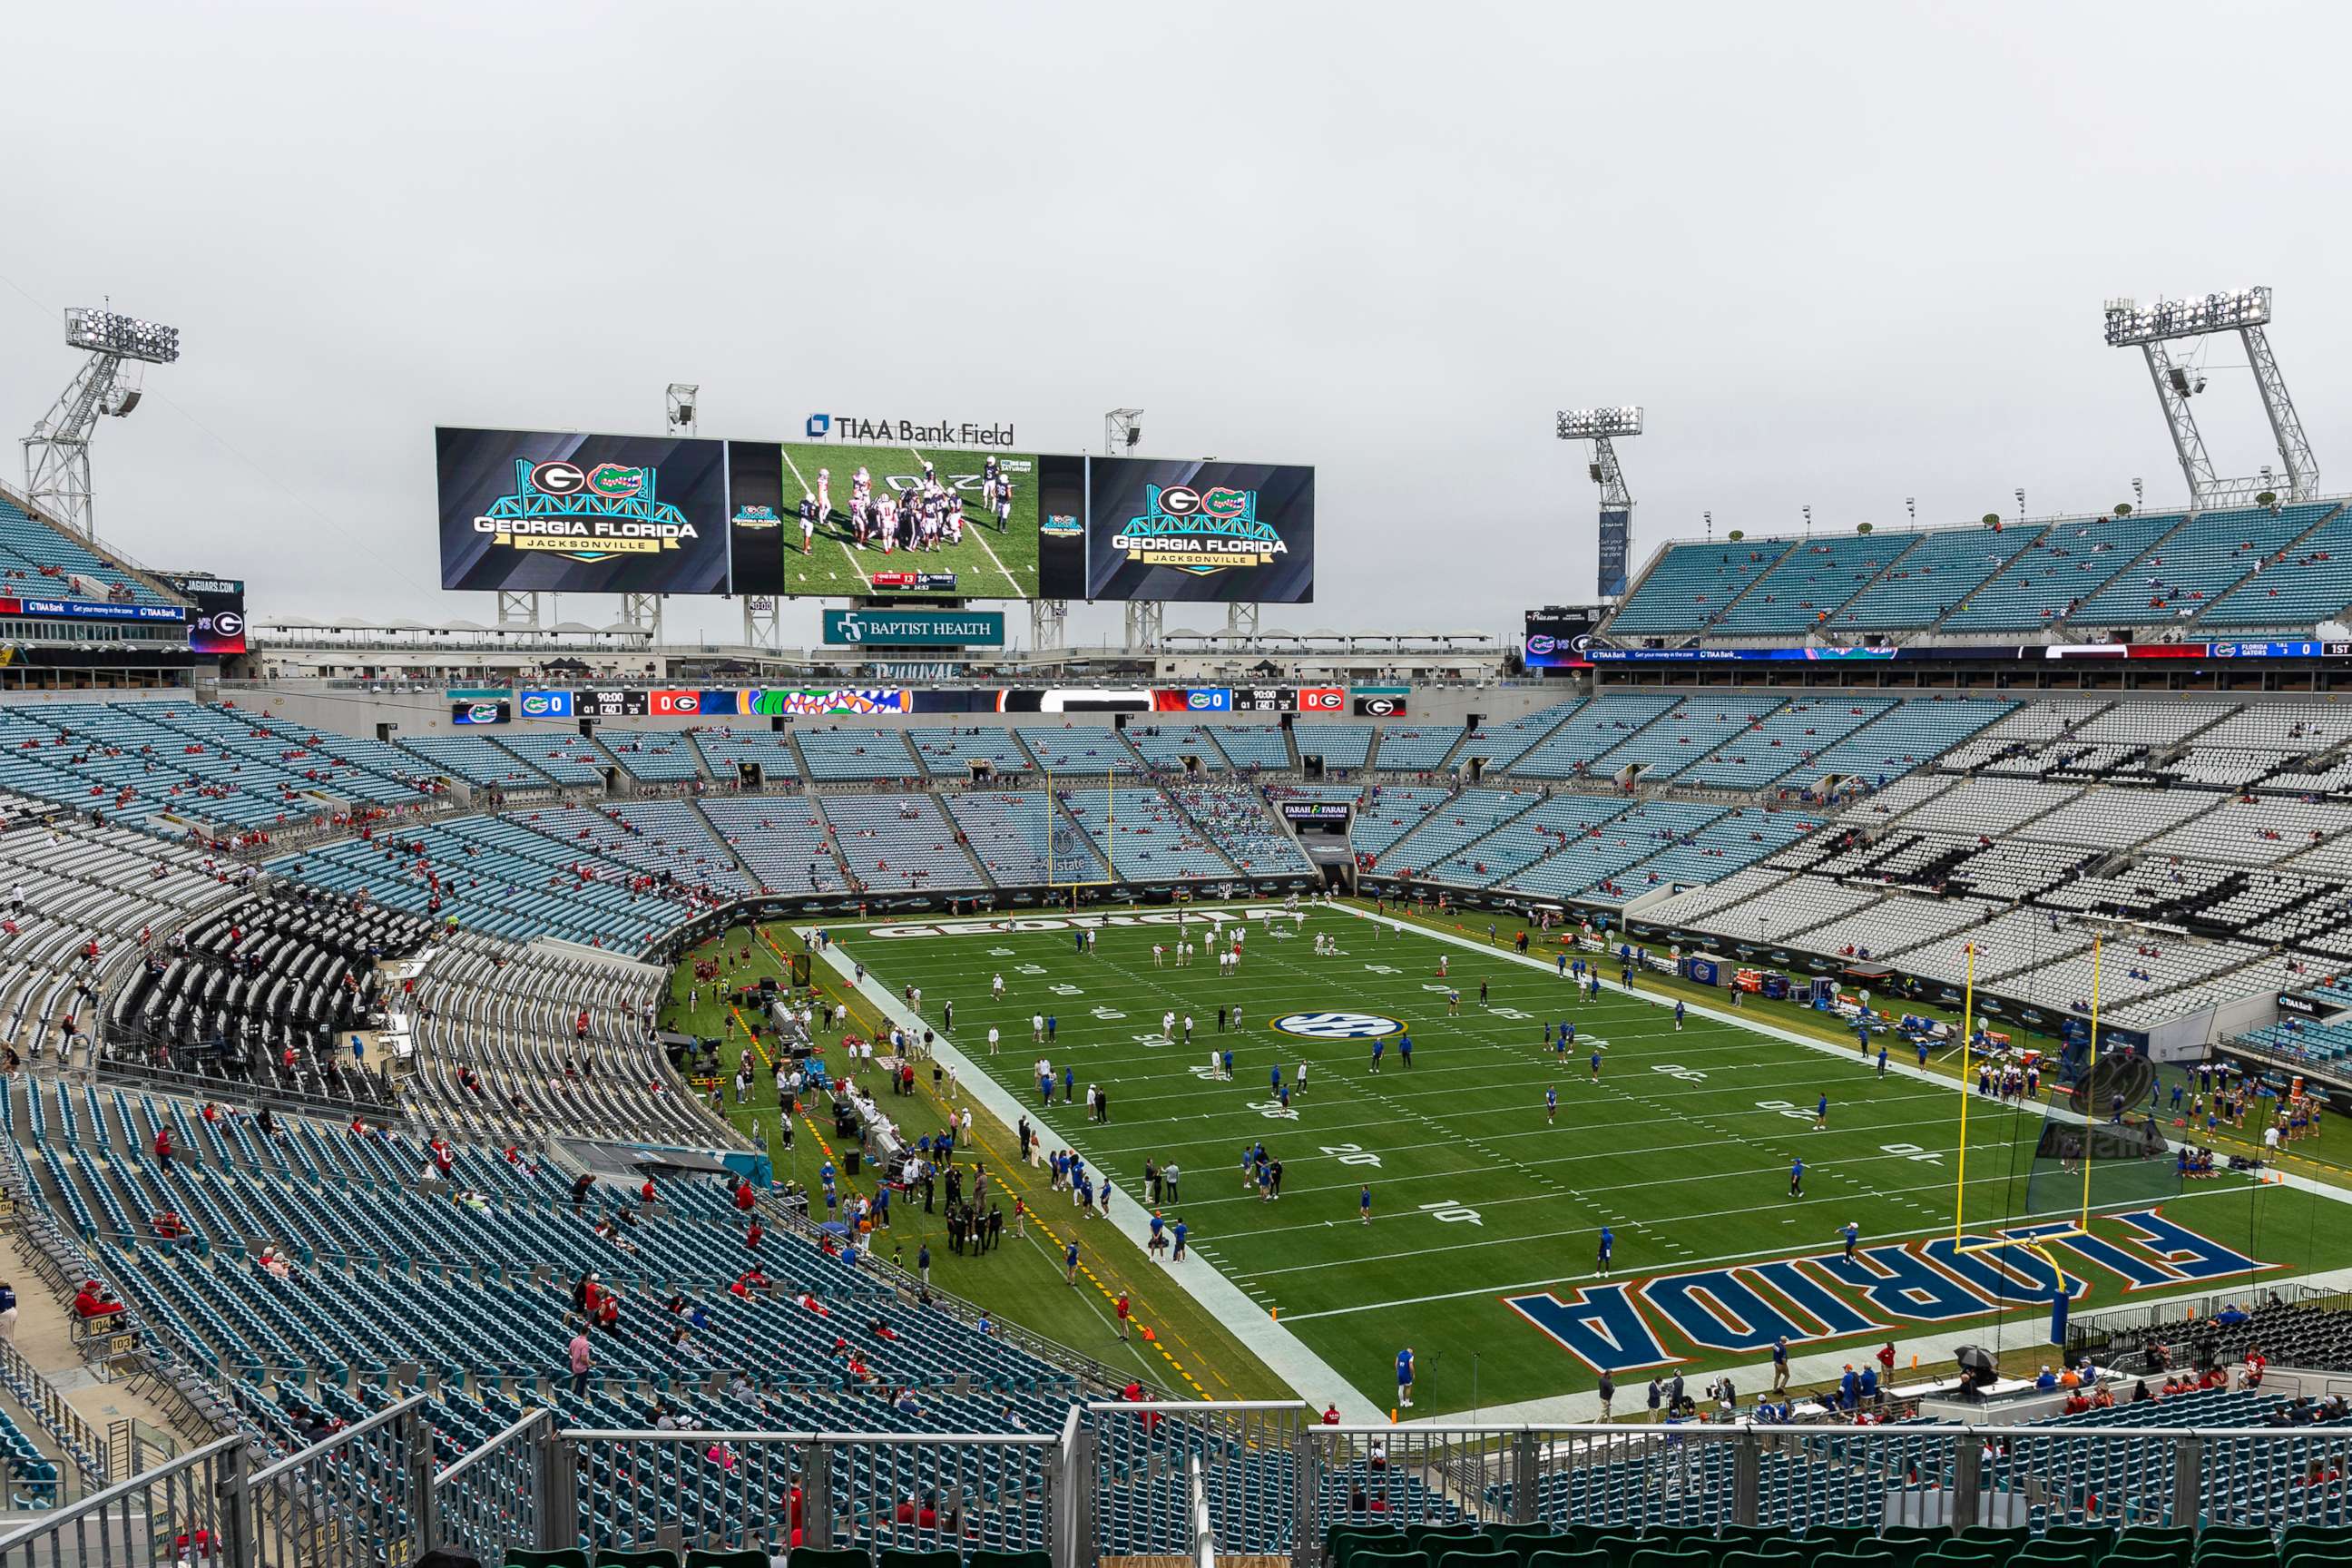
1200,531
587,513
1881,1291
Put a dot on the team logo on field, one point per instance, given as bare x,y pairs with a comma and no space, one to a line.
1336,1025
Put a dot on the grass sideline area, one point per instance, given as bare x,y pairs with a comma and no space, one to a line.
1170,1339
1486,1207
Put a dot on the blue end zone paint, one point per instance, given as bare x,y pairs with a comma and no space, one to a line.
1600,1327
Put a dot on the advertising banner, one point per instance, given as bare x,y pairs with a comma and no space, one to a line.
1317,810
800,704
1616,539
489,711
1381,701
1557,639
216,623
1180,530
915,628
567,512
758,518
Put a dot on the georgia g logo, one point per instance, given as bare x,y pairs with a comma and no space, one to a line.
1336,1025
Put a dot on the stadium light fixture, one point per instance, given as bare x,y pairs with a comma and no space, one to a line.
2151,328
104,331
1594,424
2128,323
1911,505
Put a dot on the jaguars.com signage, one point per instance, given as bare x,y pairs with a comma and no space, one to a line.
914,628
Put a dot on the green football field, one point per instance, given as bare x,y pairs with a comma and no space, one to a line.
992,562
1486,1208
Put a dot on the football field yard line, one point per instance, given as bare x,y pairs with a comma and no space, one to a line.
976,539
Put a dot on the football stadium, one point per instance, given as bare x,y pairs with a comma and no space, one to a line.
723,1031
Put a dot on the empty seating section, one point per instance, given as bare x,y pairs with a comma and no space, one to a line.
477,760
1025,838
1604,723
1340,745
1811,583
1589,866
949,754
1386,812
1790,740
1933,577
1170,748
783,838
1989,805
1142,836
2256,833
1688,586
2195,564
1800,904
667,838
727,753
898,843
2068,563
501,1054
836,755
1414,748
255,993
1264,747
1896,922
2306,583
1524,839
46,562
1695,904
1469,816
1237,822
566,758
1505,743
69,886
1670,743
1910,734
653,756
1739,837
1078,750
497,875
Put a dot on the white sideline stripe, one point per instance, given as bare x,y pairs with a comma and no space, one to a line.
1824,1364
1276,1346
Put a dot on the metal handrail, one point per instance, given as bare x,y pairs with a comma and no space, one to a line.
269,1473
98,1503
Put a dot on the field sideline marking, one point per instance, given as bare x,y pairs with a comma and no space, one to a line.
1283,1353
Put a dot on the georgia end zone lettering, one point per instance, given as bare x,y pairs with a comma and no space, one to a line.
1884,1291
1072,922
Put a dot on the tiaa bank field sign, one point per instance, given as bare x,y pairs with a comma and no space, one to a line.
914,628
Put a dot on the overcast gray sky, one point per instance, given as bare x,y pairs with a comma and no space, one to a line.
1843,253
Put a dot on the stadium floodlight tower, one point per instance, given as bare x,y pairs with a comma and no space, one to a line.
1145,619
2247,312
1603,427
56,454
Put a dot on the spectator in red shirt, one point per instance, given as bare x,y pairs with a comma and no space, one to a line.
95,1300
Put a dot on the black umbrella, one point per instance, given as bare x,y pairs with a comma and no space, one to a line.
1974,1358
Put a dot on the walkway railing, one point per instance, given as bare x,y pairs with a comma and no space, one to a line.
1165,1480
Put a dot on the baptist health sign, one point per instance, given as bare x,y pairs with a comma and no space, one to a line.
914,628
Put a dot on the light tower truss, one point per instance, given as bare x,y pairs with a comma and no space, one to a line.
56,454
2247,312
1603,427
